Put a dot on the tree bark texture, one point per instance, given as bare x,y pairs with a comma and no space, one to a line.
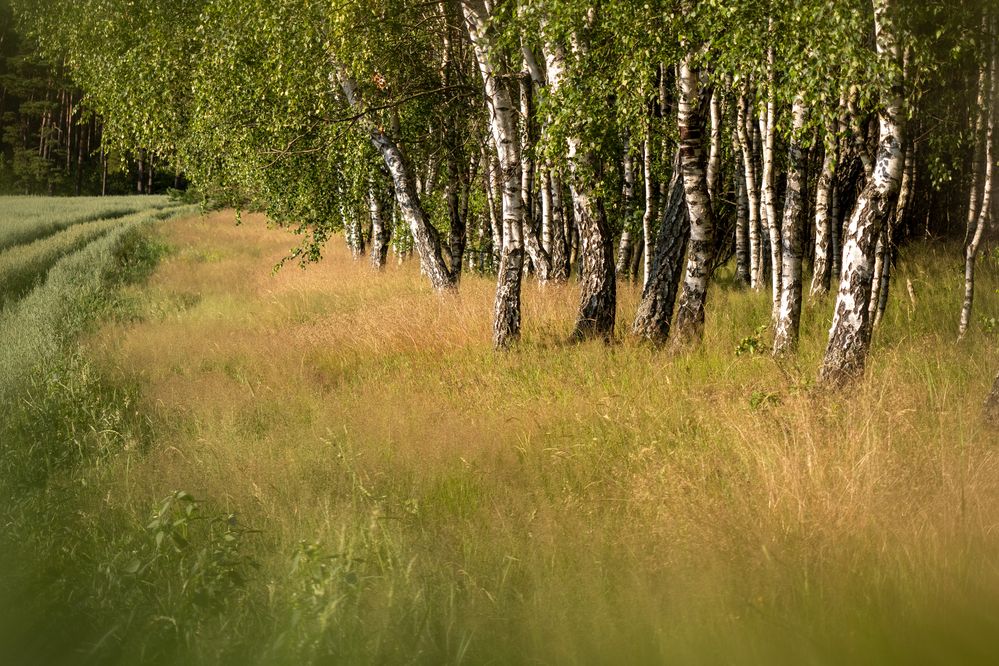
849,336
989,93
381,232
745,134
503,126
792,238
690,318
822,266
655,311
597,279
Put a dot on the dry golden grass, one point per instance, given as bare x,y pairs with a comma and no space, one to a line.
584,503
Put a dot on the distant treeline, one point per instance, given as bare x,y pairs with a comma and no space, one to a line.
50,139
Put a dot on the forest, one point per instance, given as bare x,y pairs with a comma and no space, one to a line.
695,276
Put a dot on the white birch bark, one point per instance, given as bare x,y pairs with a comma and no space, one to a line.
985,206
715,150
690,317
626,246
598,284
822,266
506,137
744,129
381,232
650,207
792,238
768,130
849,336
425,236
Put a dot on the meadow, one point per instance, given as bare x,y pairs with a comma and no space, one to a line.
204,461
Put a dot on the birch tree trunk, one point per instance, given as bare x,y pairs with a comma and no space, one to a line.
849,336
533,244
822,266
503,126
743,276
627,245
598,284
655,310
715,151
744,128
381,233
560,237
494,201
458,234
650,208
792,238
895,227
985,208
690,318
425,236
768,131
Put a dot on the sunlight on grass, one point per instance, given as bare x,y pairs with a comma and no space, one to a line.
416,497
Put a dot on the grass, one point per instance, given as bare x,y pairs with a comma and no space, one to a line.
22,266
24,219
365,481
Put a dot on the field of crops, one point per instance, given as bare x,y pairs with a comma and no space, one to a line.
25,219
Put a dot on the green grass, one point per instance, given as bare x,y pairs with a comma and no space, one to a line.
25,219
370,483
22,266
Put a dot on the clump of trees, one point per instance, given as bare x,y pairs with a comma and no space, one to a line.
621,140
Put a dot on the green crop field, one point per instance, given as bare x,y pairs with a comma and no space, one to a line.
25,219
204,462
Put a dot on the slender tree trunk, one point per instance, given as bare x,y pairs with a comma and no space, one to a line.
822,266
534,245
894,229
627,244
560,238
506,137
715,151
381,233
425,236
742,252
768,130
745,135
985,209
690,318
458,233
493,202
104,170
650,208
880,265
140,183
849,336
598,286
977,154
792,237
547,213
655,311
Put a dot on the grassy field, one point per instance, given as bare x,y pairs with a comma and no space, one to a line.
25,219
214,464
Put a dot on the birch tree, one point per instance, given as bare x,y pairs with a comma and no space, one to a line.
849,336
